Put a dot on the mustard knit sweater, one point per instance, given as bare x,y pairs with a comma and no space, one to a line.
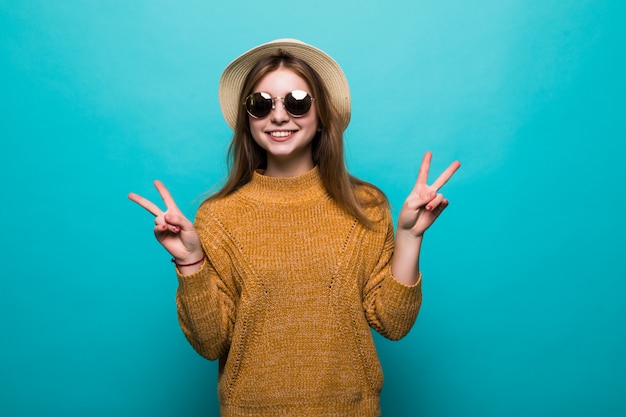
286,299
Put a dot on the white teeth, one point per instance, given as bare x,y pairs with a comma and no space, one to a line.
281,134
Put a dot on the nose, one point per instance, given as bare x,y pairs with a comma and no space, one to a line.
279,114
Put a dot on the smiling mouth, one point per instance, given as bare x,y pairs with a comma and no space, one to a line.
282,133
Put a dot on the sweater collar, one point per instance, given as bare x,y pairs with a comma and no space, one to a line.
304,187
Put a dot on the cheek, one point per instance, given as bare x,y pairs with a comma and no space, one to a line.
259,140
255,129
312,126
256,133
316,119
312,121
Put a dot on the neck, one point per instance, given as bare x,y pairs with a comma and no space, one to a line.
305,187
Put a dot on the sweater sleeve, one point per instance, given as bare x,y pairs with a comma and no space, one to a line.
206,311
390,306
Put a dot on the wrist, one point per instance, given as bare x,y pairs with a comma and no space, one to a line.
409,235
186,262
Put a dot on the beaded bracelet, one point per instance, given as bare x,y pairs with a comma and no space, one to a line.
193,263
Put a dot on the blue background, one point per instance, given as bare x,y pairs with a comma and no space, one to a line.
524,277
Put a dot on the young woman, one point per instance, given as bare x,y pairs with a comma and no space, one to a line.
289,265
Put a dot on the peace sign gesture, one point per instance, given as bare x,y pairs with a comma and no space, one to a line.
424,204
173,230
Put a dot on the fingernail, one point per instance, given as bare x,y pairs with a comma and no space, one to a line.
429,208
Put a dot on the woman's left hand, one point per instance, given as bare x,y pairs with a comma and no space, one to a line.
424,204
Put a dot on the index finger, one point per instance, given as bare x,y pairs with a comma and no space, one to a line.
446,175
422,177
145,203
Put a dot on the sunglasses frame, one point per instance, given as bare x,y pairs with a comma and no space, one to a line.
273,99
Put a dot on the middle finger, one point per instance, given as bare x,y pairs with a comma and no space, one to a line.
146,204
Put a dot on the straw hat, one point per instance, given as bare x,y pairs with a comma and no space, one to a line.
329,71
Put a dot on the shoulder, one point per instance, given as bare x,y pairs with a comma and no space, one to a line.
368,193
220,206
373,201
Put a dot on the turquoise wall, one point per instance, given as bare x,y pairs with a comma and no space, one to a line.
523,276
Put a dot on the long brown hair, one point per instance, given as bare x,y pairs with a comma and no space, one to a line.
245,155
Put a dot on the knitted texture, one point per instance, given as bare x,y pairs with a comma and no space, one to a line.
287,296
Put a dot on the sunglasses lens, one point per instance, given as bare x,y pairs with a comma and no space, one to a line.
259,104
298,102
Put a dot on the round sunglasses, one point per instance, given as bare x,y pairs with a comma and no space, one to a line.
297,103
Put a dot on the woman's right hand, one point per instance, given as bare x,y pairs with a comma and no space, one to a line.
172,229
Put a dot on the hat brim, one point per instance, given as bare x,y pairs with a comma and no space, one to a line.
327,68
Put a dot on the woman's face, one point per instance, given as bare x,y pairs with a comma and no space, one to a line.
286,139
